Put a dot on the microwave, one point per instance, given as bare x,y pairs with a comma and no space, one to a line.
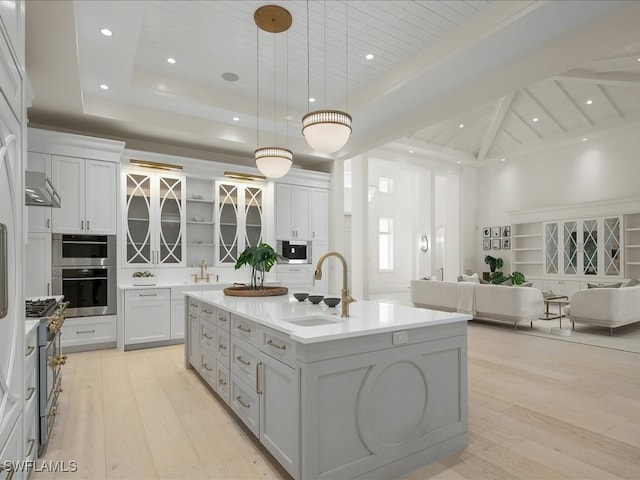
293,251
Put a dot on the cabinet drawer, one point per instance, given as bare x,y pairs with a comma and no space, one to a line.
208,340
245,329
244,360
195,306
149,294
278,345
209,369
222,351
244,402
223,319
31,388
32,420
302,273
223,383
83,331
208,312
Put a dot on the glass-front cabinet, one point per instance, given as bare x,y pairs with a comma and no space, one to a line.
584,247
154,221
240,219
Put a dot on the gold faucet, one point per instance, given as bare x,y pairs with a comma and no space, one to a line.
346,298
203,267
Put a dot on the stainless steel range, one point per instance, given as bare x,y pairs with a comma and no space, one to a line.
51,312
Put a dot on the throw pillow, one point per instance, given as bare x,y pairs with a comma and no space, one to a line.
633,282
602,285
469,278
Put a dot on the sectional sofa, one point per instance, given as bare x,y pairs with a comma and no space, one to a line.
605,307
485,302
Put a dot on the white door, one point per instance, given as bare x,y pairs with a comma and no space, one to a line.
39,217
101,197
68,178
320,214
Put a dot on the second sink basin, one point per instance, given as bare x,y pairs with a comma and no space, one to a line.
313,321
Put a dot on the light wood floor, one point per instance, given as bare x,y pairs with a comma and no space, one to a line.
538,409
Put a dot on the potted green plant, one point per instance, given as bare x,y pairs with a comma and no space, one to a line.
495,263
261,258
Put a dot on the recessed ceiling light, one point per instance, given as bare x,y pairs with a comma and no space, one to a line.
104,86
462,125
369,56
535,119
584,139
410,151
311,99
458,162
639,59
106,32
236,119
502,159
230,77
171,60
589,102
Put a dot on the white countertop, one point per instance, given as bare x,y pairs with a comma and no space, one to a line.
366,318
195,286
30,324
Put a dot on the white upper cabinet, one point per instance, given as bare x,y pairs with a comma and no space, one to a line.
239,220
39,217
319,214
153,206
88,195
293,212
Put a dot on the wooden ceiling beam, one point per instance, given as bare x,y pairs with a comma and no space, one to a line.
543,109
611,79
496,123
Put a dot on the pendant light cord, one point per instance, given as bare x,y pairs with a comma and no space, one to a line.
275,96
308,61
346,61
257,87
325,53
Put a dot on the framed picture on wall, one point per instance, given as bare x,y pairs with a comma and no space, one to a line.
486,232
486,244
496,231
495,244
506,231
506,243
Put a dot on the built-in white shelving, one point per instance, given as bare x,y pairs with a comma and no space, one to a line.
200,221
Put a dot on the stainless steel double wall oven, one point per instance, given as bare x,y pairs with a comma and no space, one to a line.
84,271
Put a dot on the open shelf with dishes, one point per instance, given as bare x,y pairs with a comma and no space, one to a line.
200,221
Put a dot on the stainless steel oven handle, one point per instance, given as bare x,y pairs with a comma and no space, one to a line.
88,227
84,278
81,224
83,242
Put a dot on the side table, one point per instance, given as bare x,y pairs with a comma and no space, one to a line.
561,301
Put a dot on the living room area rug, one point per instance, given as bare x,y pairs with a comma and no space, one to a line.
626,338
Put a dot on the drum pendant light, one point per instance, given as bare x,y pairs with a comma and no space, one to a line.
327,131
273,162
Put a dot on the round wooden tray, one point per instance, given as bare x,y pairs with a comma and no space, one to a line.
250,292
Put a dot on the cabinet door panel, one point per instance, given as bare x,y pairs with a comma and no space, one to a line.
137,212
228,221
283,211
147,316
320,214
38,264
100,197
302,213
68,177
171,200
39,217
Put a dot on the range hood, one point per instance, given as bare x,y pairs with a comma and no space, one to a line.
39,191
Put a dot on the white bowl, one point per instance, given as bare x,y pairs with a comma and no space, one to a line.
143,280
198,219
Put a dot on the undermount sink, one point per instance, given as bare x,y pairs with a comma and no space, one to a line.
313,321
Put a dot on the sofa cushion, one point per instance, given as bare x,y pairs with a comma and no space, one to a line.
469,278
525,284
602,285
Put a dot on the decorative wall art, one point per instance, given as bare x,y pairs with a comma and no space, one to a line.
486,244
506,243
486,232
496,238
506,231
495,244
496,231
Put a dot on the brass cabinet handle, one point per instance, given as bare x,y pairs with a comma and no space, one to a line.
206,367
243,329
222,382
31,442
48,223
245,405
258,389
207,311
208,337
30,391
222,347
30,350
281,347
148,295
241,360
85,331
193,304
222,319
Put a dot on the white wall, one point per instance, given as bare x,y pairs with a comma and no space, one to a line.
606,167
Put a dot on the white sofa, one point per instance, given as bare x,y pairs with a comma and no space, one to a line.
605,307
490,302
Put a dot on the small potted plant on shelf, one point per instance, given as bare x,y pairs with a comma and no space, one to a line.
260,258
143,278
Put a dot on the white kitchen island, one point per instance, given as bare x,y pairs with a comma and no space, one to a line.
375,395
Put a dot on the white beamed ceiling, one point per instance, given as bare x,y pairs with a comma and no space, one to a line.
492,66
